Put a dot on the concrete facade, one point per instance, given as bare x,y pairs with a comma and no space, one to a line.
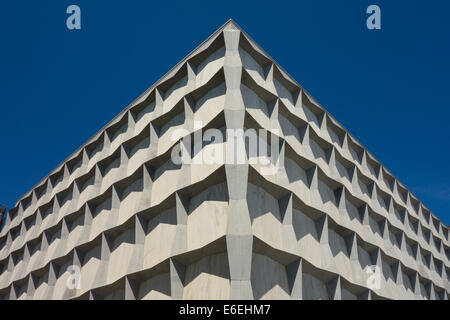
139,226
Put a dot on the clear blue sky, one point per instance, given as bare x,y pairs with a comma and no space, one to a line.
389,88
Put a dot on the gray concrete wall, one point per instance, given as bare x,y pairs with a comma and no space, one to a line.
141,227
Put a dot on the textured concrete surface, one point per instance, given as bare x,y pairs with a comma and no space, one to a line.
141,227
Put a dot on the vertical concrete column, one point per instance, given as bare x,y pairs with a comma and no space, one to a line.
66,175
431,292
34,198
303,133
13,292
62,241
87,222
177,277
78,257
364,217
106,246
331,160
37,224
376,259
115,206
184,178
402,243
131,288
131,125
48,191
416,285
340,197
407,226
122,170
286,212
298,100
53,216
98,178
399,198
384,229
334,288
322,119
277,147
76,191
154,138
137,259
391,212
146,195
27,255
45,241
105,252
84,161
294,272
322,229
8,236
66,291
179,246
53,273
398,277
325,251
191,75
31,286
180,241
305,137
353,171
10,264
22,232
351,242
312,174
159,102
239,236
409,204
364,162
281,175
345,148
106,143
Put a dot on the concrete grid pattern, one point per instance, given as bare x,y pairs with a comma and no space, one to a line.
141,227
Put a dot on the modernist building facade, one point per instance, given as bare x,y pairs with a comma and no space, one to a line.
119,219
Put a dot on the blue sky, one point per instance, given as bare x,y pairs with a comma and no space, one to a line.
390,88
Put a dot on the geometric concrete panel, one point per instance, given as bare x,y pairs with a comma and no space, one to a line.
271,199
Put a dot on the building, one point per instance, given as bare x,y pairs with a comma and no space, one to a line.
320,218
